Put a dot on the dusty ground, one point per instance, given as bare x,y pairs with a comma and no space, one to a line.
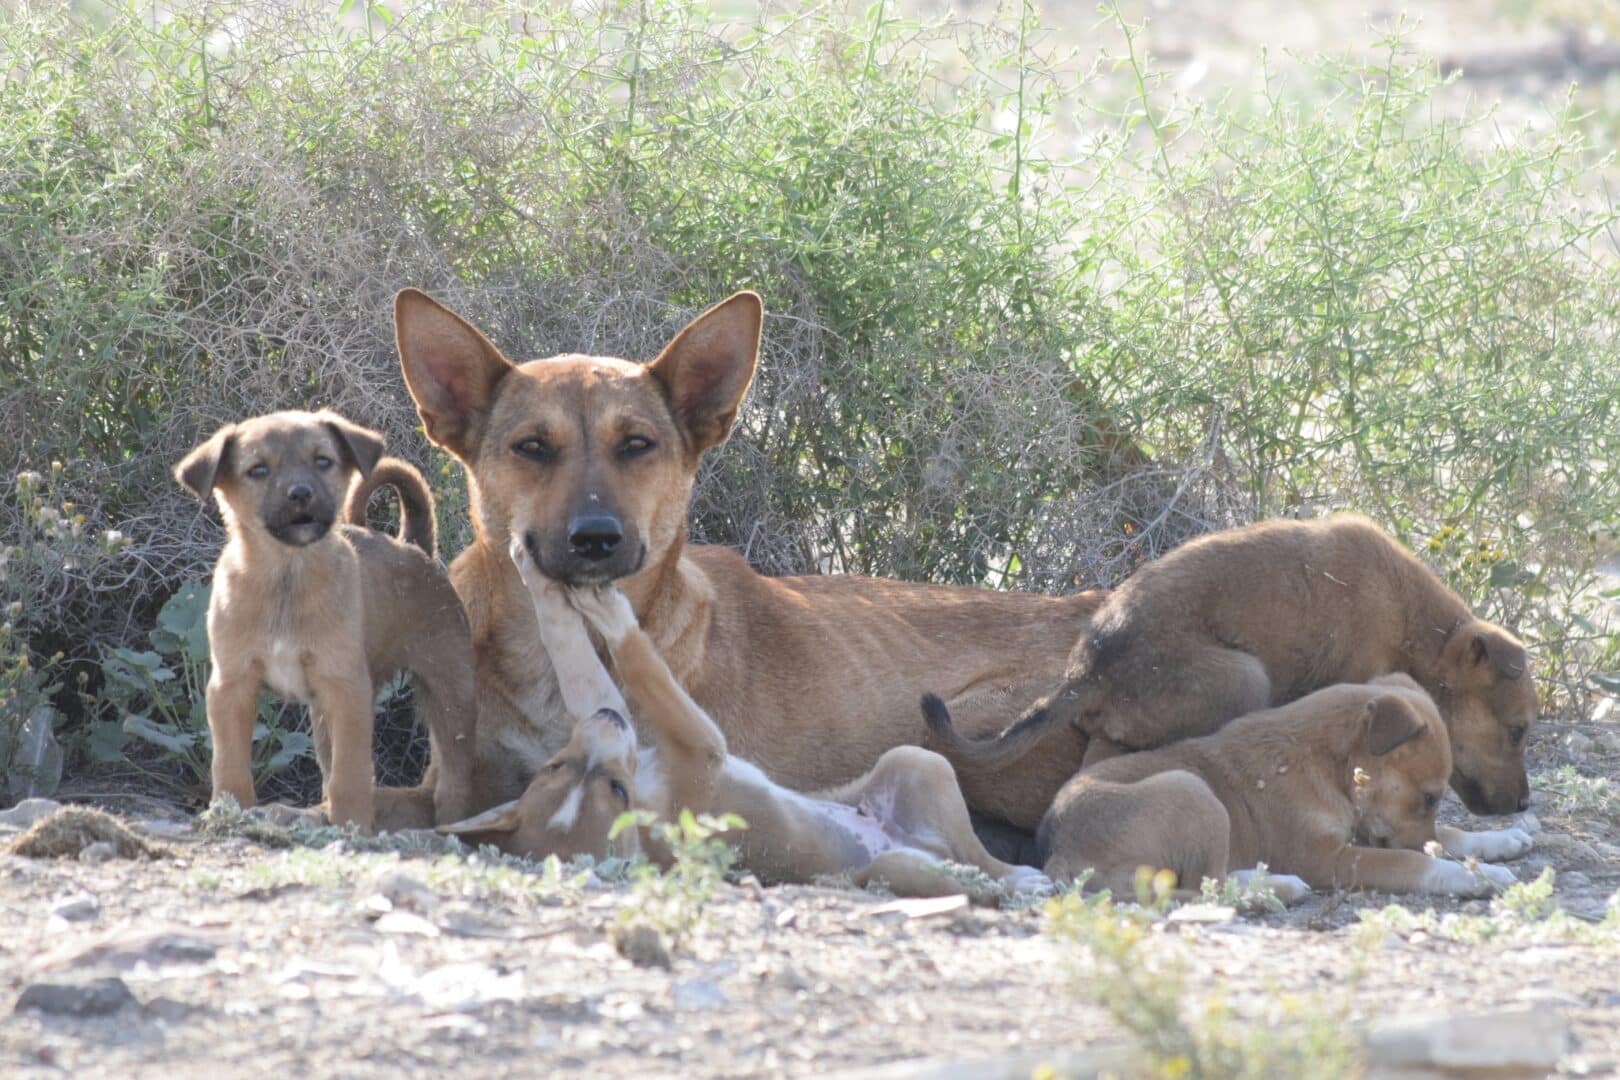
332,961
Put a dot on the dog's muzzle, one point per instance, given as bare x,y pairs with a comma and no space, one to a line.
593,551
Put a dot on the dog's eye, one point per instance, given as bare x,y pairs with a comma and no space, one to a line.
1517,735
635,446
620,792
259,471
533,449
323,462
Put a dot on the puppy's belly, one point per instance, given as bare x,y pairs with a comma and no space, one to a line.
284,671
862,837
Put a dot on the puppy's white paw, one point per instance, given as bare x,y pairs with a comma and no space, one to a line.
1287,888
1459,879
1028,881
1493,846
605,608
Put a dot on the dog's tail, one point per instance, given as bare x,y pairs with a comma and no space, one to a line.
998,751
417,524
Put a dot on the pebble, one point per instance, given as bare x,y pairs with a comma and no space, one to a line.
80,907
98,997
643,946
1608,742
402,890
698,995
97,853
1510,1042
1578,744
25,813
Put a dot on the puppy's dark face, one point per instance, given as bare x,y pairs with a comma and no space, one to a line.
283,475
1489,702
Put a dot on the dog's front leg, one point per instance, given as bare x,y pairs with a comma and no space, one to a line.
1493,845
342,710
1403,871
232,702
685,731
583,681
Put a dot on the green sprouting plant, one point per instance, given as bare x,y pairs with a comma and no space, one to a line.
671,901
1252,894
30,763
1526,912
159,696
1573,792
1133,971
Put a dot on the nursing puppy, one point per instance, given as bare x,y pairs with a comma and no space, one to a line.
1253,617
1338,788
321,613
898,825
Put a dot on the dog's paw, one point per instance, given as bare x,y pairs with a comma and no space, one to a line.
1494,846
1028,881
1471,878
605,608
1287,888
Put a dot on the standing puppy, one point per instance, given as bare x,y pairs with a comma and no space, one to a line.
1253,617
322,614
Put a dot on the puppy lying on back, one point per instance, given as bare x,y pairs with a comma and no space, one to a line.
898,825
1338,789
1253,617
322,614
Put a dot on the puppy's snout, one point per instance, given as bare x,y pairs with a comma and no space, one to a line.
594,536
299,494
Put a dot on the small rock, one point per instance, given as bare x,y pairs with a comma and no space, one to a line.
405,922
1512,1042
1578,744
97,853
698,995
25,813
1573,879
791,978
123,950
921,908
642,945
80,907
98,997
1608,742
402,890
1202,914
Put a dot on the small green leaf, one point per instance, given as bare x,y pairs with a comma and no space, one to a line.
167,736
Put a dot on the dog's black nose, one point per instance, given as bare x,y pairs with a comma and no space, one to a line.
594,536
300,494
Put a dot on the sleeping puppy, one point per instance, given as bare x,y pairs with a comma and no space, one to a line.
1338,789
1254,617
900,825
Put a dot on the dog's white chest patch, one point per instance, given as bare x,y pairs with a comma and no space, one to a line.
284,670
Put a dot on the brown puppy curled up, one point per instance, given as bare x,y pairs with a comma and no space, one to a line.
1337,789
1253,617
901,824
322,612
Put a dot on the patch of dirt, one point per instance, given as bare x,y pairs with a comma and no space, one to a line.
338,961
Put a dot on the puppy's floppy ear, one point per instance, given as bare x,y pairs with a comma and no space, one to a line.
707,368
1493,645
361,445
450,369
200,468
1391,722
502,818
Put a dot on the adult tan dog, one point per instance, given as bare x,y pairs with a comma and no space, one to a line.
897,826
322,613
1252,617
1338,788
589,462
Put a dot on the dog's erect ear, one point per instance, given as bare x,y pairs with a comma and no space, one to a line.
450,369
502,818
1391,722
1494,645
200,468
362,445
707,368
